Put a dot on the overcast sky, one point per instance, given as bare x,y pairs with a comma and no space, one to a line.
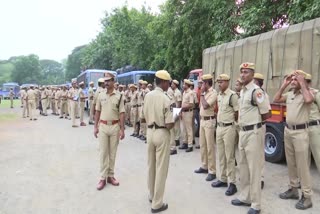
52,28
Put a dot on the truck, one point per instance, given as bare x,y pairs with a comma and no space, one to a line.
5,90
275,54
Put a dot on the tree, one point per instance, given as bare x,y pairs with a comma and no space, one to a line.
74,65
303,10
51,72
6,68
26,69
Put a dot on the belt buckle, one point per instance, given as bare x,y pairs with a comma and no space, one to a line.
109,123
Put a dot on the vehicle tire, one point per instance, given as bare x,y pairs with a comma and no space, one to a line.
274,144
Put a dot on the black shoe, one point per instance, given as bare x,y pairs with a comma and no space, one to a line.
163,208
193,142
201,170
219,183
61,117
232,189
142,138
91,123
210,177
190,149
133,135
262,184
177,142
173,152
183,146
197,146
253,211
237,202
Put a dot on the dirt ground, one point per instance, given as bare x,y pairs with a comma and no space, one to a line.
47,167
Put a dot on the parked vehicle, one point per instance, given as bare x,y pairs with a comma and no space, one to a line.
275,53
133,77
5,90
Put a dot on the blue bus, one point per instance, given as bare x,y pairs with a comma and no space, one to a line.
92,75
133,77
5,90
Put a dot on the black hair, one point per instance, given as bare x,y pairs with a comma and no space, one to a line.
308,81
158,81
260,81
210,83
100,84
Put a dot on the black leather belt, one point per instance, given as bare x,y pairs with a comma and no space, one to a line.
297,127
208,118
135,106
187,110
251,127
314,123
225,124
156,126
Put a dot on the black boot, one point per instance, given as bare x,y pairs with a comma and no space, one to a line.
177,142
183,146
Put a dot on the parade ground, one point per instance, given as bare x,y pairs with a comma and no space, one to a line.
48,167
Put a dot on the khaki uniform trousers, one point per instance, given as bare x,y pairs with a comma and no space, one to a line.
25,109
91,111
37,103
314,135
134,118
108,145
158,164
77,109
250,163
53,106
11,102
207,147
63,107
57,106
143,125
226,141
177,130
82,103
128,111
69,107
188,127
73,108
264,128
32,108
44,103
296,144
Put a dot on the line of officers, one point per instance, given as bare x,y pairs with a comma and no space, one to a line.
239,119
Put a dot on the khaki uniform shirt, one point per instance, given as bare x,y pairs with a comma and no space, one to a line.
227,105
11,93
211,98
170,94
157,109
134,98
196,101
82,95
31,94
95,98
315,106
24,94
90,93
63,95
177,96
73,92
297,110
57,94
248,113
110,106
44,94
188,97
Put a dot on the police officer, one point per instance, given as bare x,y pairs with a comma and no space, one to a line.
251,139
101,88
296,136
143,91
314,123
82,99
44,100
25,103
187,116
134,110
91,96
109,123
63,96
226,134
159,118
11,95
207,128
127,95
31,99
74,98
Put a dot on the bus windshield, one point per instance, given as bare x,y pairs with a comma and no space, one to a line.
147,77
95,76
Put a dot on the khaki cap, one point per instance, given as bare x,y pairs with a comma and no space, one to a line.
308,76
223,77
163,74
239,80
91,83
207,77
186,81
101,80
140,81
258,76
175,82
247,65
81,83
301,72
149,85
108,76
121,86
144,83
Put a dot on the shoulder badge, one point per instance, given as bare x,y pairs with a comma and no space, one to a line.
260,96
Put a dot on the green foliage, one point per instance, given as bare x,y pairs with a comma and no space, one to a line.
6,68
26,69
303,10
74,66
52,72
